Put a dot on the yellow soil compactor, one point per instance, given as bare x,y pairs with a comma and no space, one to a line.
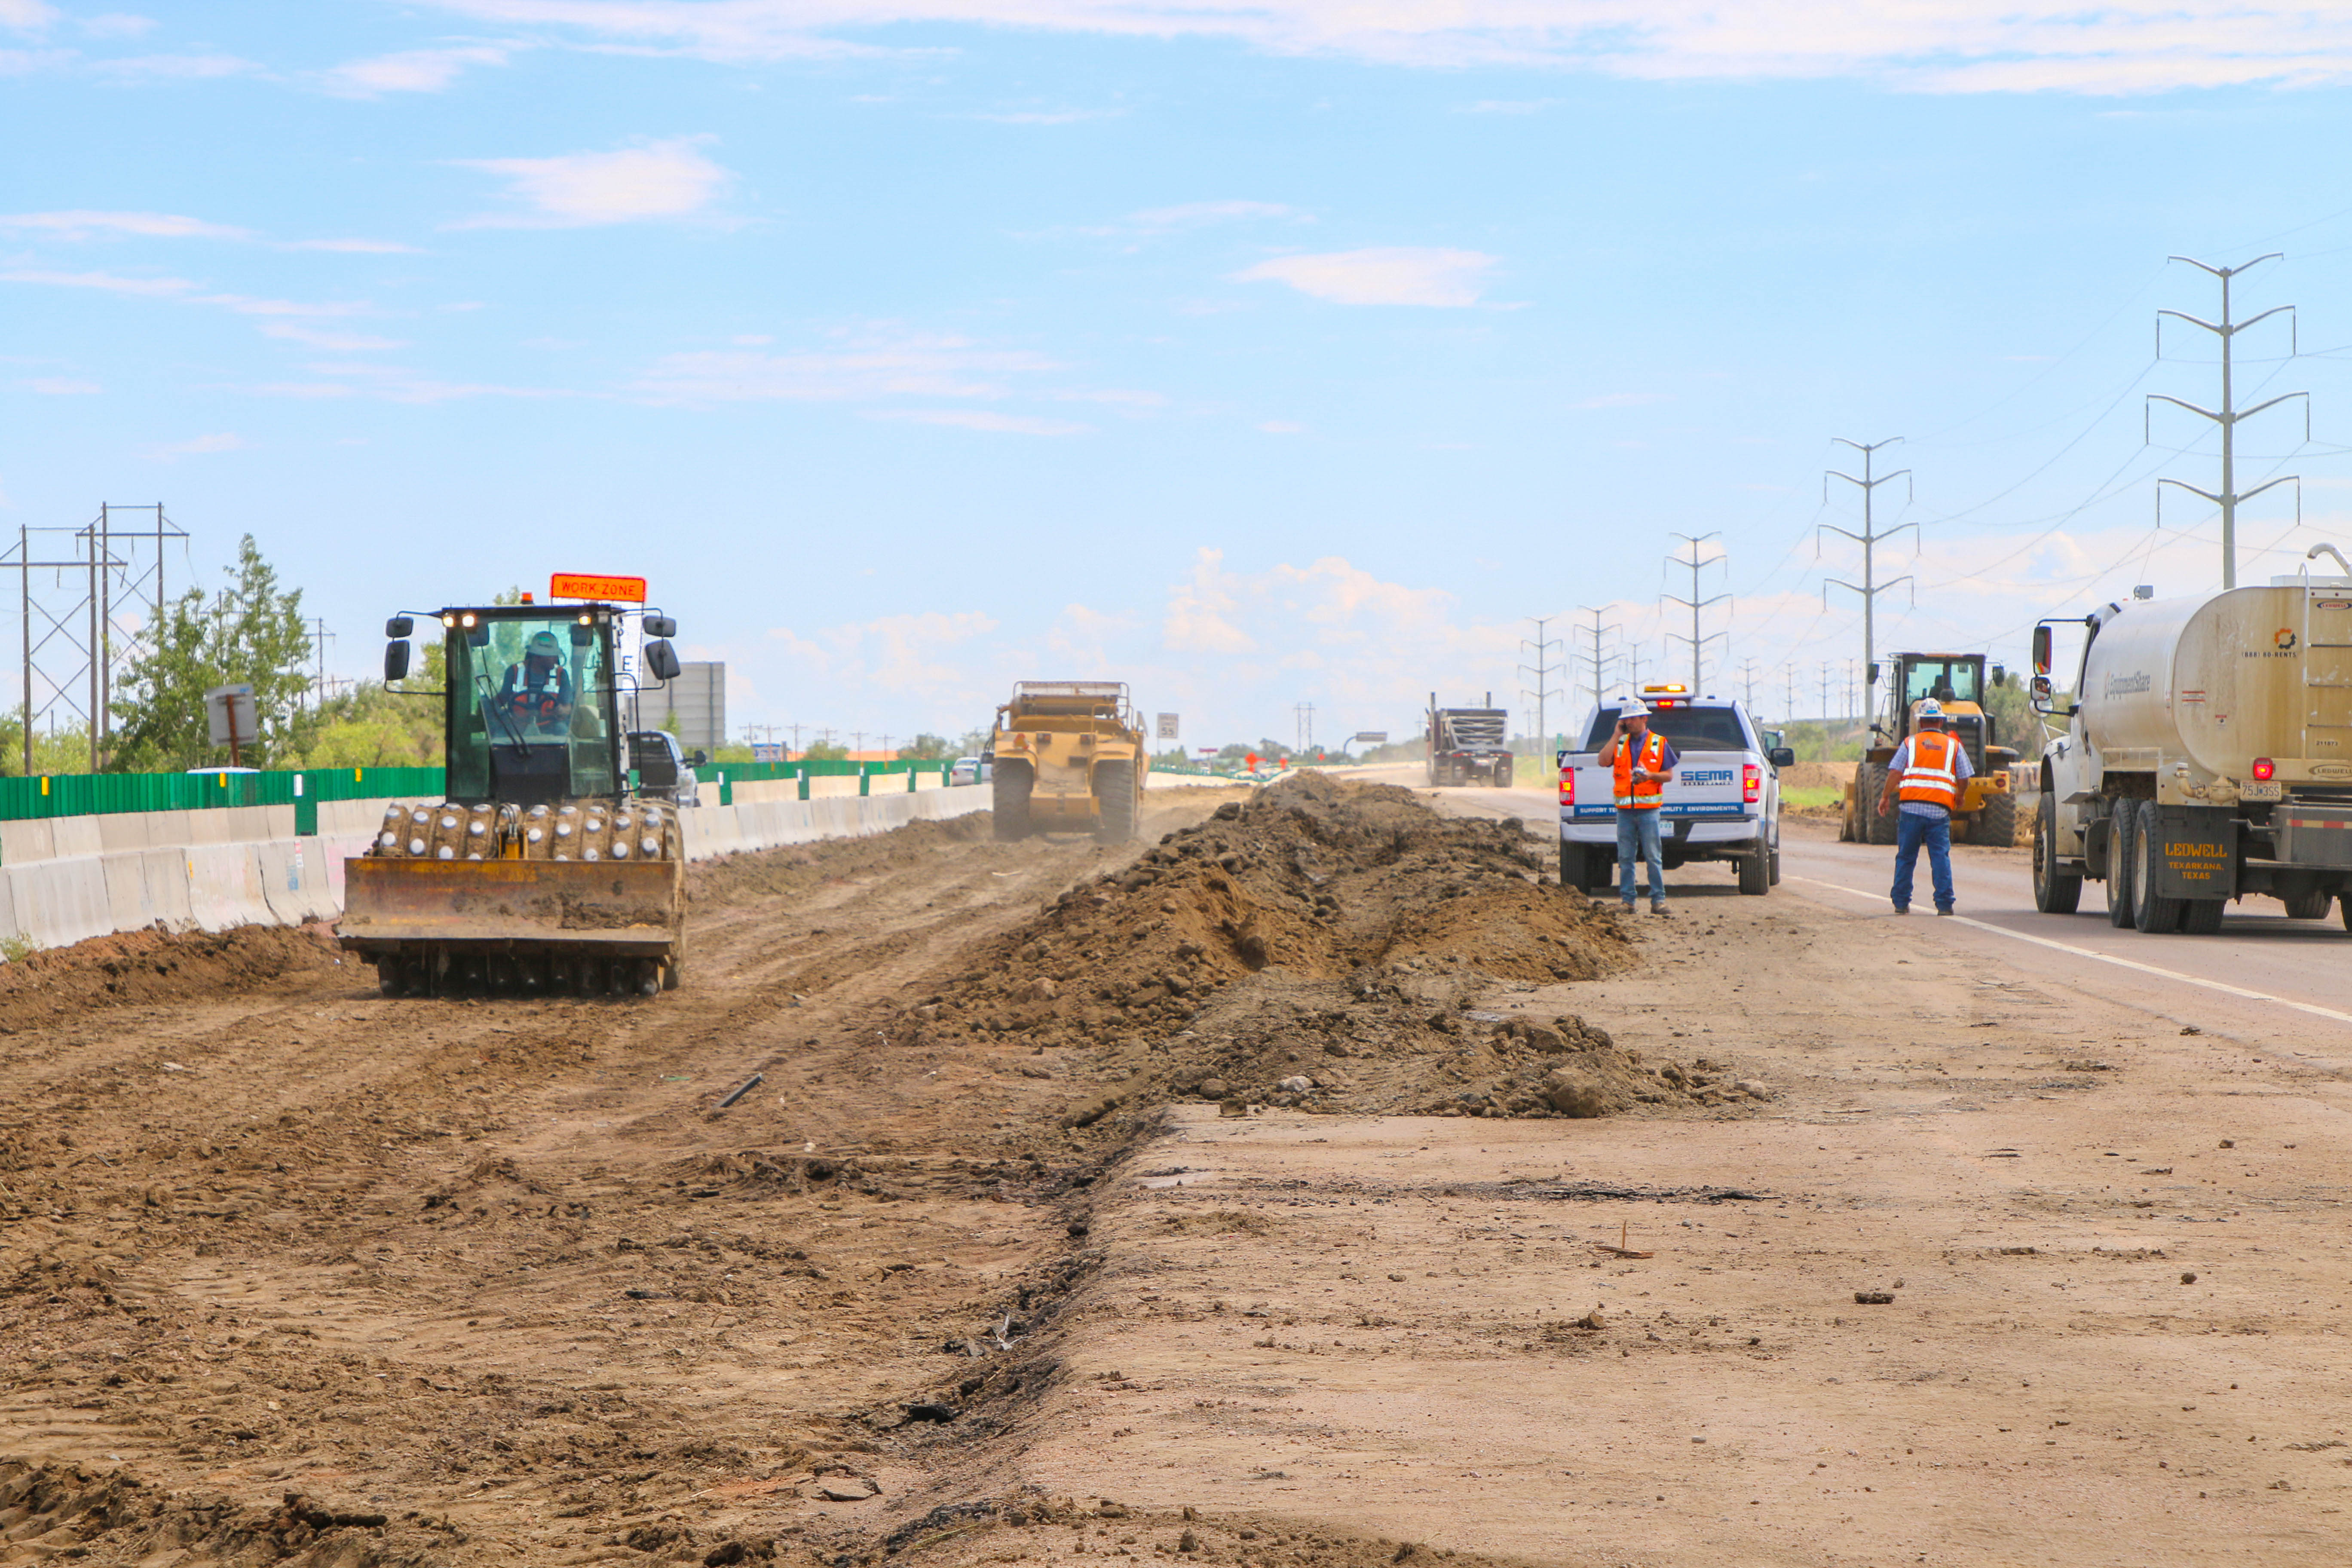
542,871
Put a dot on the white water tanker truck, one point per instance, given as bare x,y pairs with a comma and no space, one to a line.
2208,754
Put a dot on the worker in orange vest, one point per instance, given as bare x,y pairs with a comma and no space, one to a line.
1926,774
1642,760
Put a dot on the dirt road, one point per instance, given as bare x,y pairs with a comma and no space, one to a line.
1054,1258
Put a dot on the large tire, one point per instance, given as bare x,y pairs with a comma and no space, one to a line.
2203,916
1115,797
2119,865
2150,912
1012,783
1756,872
1997,823
2311,906
1776,865
2056,891
1503,772
1878,826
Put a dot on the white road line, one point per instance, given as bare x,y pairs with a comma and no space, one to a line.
2311,1007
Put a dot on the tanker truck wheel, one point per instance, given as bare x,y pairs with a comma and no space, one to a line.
2150,912
2119,865
2203,916
1114,791
1997,823
1011,783
2309,906
2056,891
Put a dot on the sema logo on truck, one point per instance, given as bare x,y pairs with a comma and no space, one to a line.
1704,775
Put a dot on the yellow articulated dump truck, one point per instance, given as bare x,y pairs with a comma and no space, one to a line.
1987,812
540,871
1069,758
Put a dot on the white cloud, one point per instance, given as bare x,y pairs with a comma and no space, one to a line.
2119,47
410,70
109,282
178,68
1199,215
84,225
26,15
60,386
864,369
904,655
355,246
657,180
199,445
116,25
1282,426
982,419
1383,275
340,342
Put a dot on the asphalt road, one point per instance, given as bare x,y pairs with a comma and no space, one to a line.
2284,978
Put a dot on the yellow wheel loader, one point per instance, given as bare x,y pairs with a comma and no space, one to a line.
540,871
1068,757
1987,812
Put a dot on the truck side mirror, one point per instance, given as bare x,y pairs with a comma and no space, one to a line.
701,759
2001,675
1874,672
400,626
2042,650
1782,757
661,626
396,661
2041,690
661,660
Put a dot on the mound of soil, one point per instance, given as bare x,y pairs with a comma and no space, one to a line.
148,966
757,875
1321,946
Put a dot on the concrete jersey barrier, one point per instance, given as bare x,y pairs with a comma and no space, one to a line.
66,879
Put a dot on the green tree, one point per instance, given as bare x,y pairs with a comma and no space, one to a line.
252,632
819,752
926,748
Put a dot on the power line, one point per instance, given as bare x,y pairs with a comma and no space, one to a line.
1695,603
2229,416
1869,538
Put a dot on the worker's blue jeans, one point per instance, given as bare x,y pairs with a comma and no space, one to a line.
1911,830
1637,836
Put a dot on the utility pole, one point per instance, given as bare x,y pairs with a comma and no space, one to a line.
1543,672
2229,415
796,730
1869,538
1825,691
1595,631
319,638
1695,603
1789,714
1303,716
1748,678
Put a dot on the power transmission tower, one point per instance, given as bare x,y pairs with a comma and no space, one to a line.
1825,691
1695,603
1789,672
2229,415
1305,715
1869,538
319,638
1748,678
1596,631
1542,671
114,614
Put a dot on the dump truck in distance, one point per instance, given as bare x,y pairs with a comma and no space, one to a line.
2206,756
1469,745
1068,757
540,870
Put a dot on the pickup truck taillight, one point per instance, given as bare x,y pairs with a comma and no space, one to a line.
1568,785
1751,781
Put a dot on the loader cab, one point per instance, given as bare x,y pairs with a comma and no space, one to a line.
532,713
1946,677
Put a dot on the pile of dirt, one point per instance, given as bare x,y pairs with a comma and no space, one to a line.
149,966
759,875
71,1511
1324,944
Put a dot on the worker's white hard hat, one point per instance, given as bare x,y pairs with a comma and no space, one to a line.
1930,708
1633,708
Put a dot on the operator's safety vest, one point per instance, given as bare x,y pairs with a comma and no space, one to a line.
1640,794
1933,776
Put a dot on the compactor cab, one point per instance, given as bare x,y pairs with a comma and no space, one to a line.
1068,757
1956,682
538,870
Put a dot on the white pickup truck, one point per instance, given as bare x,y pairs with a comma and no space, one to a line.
1722,804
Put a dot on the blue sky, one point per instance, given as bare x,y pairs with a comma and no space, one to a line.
1259,354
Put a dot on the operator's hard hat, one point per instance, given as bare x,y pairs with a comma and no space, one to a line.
542,645
1930,708
1633,708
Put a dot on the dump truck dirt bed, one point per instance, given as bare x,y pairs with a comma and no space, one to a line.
982,1272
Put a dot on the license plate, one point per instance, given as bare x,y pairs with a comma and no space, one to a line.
2259,791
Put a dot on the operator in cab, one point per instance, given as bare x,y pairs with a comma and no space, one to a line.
1926,774
537,695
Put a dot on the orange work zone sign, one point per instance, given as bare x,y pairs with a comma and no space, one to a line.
586,585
